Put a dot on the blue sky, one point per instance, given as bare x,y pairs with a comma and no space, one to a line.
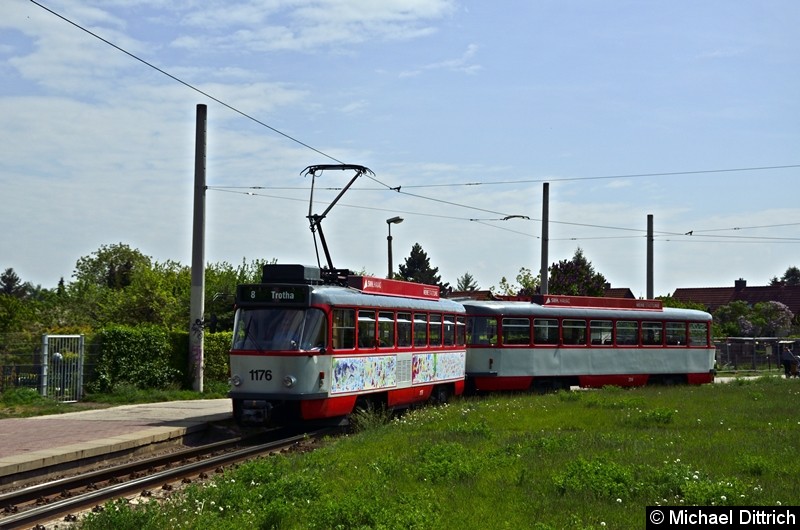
683,110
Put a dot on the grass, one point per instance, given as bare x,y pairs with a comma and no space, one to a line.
583,459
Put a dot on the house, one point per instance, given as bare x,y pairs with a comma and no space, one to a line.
714,297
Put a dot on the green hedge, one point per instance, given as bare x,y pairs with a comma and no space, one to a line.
216,347
150,357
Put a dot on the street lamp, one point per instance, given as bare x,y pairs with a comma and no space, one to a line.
389,223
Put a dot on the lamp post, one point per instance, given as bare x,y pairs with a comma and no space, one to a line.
389,223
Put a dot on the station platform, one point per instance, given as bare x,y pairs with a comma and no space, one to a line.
31,444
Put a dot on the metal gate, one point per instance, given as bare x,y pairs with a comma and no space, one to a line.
62,367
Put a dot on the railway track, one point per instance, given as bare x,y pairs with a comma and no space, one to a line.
64,499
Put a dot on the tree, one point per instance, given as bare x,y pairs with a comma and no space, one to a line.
669,301
110,266
466,283
11,285
791,277
12,313
764,319
771,319
417,268
221,281
576,277
731,320
528,284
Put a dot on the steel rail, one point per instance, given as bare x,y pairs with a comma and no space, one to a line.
53,510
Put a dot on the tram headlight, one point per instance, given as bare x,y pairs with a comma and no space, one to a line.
289,381
236,380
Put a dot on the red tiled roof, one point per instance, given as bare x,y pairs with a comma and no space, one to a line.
619,292
714,297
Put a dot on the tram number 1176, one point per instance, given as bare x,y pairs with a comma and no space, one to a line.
261,375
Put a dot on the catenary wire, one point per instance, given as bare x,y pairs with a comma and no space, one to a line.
399,188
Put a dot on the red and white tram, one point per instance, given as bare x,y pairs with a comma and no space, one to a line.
306,350
562,341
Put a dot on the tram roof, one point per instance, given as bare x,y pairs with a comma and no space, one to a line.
349,296
520,309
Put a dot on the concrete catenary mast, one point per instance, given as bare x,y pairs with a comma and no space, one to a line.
197,302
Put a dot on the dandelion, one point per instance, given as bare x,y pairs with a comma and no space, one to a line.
724,498
619,500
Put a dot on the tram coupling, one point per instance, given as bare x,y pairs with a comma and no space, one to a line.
255,412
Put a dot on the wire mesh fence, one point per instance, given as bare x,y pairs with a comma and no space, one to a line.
57,366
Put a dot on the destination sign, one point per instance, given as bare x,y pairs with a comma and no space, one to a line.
273,294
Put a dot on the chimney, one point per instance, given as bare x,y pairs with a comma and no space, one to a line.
740,284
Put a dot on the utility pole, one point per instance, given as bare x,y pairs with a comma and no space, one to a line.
197,294
545,236
650,256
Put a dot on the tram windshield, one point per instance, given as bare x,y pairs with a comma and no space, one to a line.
279,329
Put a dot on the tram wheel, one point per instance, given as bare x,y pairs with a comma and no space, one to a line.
440,395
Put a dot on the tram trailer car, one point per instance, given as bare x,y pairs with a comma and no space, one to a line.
558,342
306,350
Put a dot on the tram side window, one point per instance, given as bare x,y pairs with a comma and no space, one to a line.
676,334
698,334
481,330
573,332
545,331
420,329
461,331
652,333
404,330
386,329
366,329
344,329
602,331
449,330
436,329
516,331
627,333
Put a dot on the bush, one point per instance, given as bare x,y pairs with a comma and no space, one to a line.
216,347
151,357
139,356
21,396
